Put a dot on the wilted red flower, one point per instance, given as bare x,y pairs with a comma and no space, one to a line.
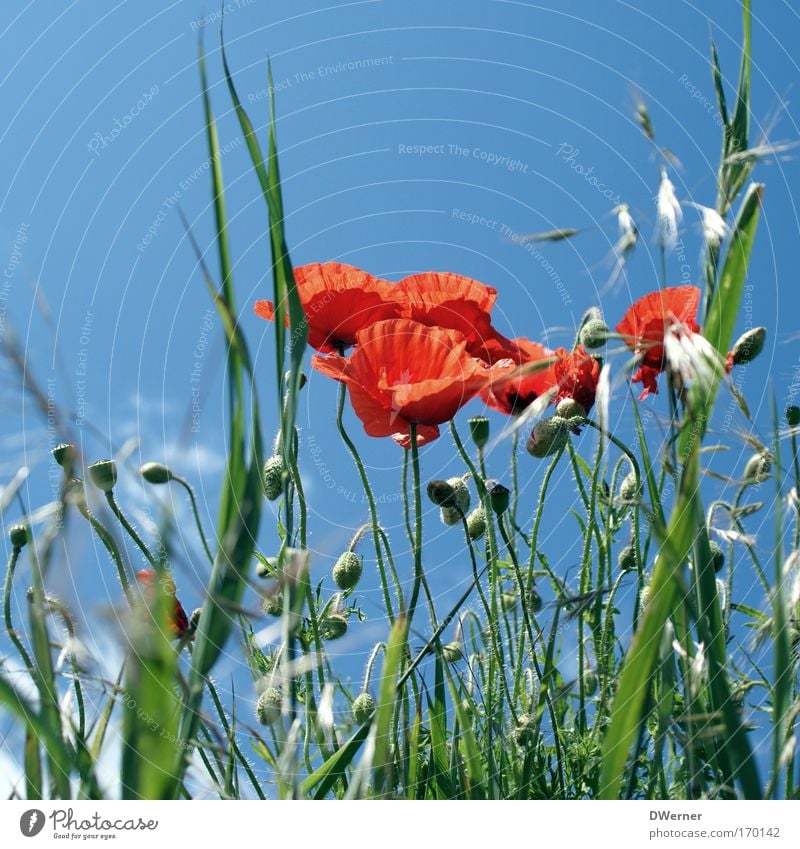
443,299
402,372
338,301
576,375
180,622
646,323
511,392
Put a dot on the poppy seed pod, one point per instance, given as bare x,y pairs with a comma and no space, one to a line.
155,473
479,430
629,488
18,535
362,708
64,454
748,346
627,559
476,523
272,477
499,497
268,706
594,333
793,415
104,474
347,570
547,437
333,626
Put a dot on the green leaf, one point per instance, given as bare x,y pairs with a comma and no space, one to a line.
382,759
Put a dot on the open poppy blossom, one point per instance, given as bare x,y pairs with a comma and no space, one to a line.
442,299
516,389
338,301
179,623
647,322
403,372
576,376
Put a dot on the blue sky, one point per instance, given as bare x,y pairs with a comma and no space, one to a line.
413,136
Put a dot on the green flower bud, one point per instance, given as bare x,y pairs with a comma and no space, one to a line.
627,559
499,496
748,346
450,515
758,468
479,430
452,494
64,455
508,601
347,570
644,597
18,535
273,603
451,652
333,626
104,474
268,706
440,492
535,600
594,333
524,731
793,415
589,680
155,473
629,488
717,555
547,437
268,569
362,708
476,523
569,408
272,477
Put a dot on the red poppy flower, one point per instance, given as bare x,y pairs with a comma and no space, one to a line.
513,391
402,372
646,323
180,621
442,299
576,375
338,301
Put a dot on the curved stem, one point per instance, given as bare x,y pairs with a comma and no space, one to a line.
10,630
111,547
112,503
185,484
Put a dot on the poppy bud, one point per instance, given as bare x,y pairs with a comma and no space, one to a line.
347,570
594,333
452,493
450,515
535,600
629,488
717,555
479,430
440,492
748,346
155,473
272,477
266,568
569,408
508,601
303,378
627,559
793,416
525,730
758,468
273,603
499,496
547,437
333,626
476,523
194,620
64,454
268,706
362,708
644,597
451,652
18,535
104,474
589,680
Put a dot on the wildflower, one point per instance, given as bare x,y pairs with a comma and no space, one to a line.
647,323
669,212
362,708
179,624
268,706
515,389
347,570
403,372
576,374
746,348
547,437
338,301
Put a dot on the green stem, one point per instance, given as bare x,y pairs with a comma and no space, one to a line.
185,484
112,503
10,629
